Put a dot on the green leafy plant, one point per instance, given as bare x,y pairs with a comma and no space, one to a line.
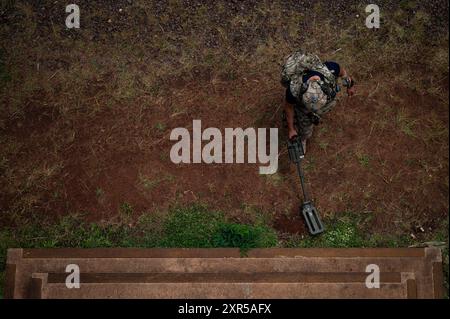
244,236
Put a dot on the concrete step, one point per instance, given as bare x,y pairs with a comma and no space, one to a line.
239,286
425,265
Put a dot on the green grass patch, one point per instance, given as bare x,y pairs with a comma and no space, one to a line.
347,232
341,234
244,236
196,226
193,226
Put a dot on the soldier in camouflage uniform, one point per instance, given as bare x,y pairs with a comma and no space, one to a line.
311,89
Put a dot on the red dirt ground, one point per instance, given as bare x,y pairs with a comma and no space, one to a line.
103,164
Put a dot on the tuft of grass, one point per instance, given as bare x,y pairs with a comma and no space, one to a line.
274,179
323,145
126,210
255,215
309,163
405,123
244,236
149,184
148,232
341,234
160,126
99,193
347,232
322,131
363,159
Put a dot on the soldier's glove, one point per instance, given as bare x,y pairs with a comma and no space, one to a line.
348,82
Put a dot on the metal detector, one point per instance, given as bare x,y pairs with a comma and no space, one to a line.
309,212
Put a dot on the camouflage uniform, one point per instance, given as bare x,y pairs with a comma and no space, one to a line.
309,97
304,120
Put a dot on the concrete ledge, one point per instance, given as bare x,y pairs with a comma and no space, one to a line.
224,291
271,277
74,253
416,272
219,252
337,252
10,281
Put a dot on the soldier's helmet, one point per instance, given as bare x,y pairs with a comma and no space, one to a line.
314,98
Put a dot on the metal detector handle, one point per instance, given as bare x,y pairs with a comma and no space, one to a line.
302,181
295,149
296,154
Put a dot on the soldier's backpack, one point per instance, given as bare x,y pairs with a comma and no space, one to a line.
295,67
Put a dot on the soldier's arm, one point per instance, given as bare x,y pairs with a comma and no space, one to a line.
289,110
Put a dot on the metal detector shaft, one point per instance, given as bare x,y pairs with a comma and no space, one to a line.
296,154
302,182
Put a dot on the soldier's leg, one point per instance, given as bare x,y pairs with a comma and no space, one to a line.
305,127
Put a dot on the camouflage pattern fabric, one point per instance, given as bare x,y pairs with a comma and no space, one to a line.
304,123
305,126
327,107
313,98
296,65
